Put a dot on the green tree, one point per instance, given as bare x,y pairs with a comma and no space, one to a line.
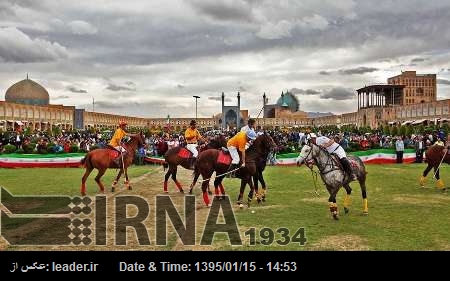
394,131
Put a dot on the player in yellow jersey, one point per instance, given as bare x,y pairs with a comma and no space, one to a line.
192,136
116,141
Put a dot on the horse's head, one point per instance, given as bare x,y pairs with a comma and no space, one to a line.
306,155
217,142
264,144
136,140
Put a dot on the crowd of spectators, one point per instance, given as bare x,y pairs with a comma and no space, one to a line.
289,141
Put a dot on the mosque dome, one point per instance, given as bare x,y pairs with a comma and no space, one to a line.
27,92
288,100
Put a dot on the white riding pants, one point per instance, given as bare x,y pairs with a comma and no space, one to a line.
339,151
120,148
192,147
234,155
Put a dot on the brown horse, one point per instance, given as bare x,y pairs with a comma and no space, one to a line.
434,157
180,156
102,159
213,160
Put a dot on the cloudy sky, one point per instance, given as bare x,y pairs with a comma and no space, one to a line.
148,58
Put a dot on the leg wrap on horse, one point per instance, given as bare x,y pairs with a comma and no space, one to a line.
333,208
347,201
440,184
422,181
365,206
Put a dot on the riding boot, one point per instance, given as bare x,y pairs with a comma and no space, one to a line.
117,161
348,168
232,168
192,162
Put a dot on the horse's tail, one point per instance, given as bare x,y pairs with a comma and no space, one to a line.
86,161
195,174
83,162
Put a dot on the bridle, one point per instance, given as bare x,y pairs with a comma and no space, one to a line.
330,160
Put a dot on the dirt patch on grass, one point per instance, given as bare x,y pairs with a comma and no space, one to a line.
341,243
146,186
421,199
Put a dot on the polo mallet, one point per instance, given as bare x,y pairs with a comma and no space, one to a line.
440,163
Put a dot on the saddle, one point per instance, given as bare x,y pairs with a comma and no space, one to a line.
185,153
113,152
224,157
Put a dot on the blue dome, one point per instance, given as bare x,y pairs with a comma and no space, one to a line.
288,100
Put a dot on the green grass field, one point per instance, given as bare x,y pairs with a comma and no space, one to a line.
402,216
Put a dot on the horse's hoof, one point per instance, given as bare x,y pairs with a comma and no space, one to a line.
210,192
113,189
83,194
335,217
208,206
181,191
365,213
346,210
190,191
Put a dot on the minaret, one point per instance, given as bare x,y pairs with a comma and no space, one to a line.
239,101
264,104
238,121
223,99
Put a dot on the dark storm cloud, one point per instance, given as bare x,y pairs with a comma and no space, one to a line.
443,81
338,93
61,97
358,70
418,60
74,89
158,42
223,10
116,88
241,89
110,105
308,92
18,47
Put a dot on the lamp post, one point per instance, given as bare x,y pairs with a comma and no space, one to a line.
196,98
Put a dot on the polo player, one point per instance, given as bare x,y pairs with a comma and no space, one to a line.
116,141
192,136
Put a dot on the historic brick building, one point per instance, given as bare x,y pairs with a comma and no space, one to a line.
406,99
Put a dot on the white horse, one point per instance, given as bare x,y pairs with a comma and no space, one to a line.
334,176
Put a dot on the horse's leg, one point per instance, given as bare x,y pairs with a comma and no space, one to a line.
362,184
100,174
177,183
166,178
332,201
217,183
424,175
439,183
114,184
222,190
263,186
255,184
205,186
83,180
127,181
251,193
241,193
194,181
347,198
